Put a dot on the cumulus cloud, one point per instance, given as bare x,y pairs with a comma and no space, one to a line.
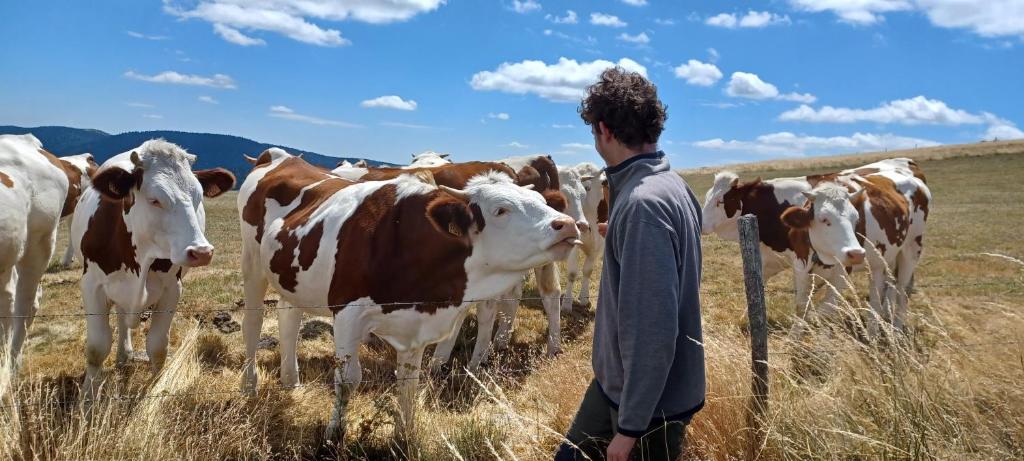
989,18
525,6
289,114
790,144
564,81
175,78
208,100
1003,130
753,19
234,36
750,86
132,33
918,110
499,116
699,73
516,145
640,39
389,102
569,18
291,18
601,19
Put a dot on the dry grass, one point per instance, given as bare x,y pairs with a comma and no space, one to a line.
832,396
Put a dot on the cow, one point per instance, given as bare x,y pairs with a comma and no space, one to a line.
887,212
137,230
539,172
728,199
82,167
401,258
594,209
428,158
35,193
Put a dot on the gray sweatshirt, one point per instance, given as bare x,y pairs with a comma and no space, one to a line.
648,347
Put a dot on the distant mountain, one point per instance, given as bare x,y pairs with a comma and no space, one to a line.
212,150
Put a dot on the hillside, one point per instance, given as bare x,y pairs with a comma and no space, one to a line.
212,150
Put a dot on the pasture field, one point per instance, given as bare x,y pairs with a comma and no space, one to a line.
952,389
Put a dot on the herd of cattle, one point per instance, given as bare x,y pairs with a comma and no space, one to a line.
398,252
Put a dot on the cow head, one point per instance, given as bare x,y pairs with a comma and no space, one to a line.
830,219
595,187
511,228
722,205
575,192
429,158
164,200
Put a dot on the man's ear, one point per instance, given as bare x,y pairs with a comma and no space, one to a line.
798,217
450,216
215,181
115,183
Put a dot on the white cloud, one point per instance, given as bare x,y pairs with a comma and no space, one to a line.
564,81
577,145
750,86
558,126
234,36
640,39
132,33
208,100
635,2
601,19
988,18
153,116
389,102
699,73
789,144
665,21
289,114
139,104
1003,131
516,145
406,125
291,18
753,19
171,77
499,116
589,41
525,6
721,105
914,111
569,18
713,55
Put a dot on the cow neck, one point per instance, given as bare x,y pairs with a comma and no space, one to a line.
111,245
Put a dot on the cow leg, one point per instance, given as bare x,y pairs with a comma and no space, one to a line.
252,322
906,266
288,320
547,284
8,279
589,260
349,330
27,292
124,339
160,327
876,295
838,283
802,287
408,375
507,310
98,335
443,350
572,266
69,254
485,315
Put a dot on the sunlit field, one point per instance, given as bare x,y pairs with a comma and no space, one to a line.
951,388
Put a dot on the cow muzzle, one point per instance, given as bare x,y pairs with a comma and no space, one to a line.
198,255
854,256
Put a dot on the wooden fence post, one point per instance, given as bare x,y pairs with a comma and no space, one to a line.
750,247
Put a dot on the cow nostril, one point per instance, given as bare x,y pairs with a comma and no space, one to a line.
561,223
855,255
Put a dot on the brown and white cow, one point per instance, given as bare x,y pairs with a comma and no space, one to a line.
584,183
35,192
81,167
400,258
886,212
728,199
539,172
136,230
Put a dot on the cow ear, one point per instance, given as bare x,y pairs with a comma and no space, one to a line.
215,181
450,216
556,200
798,217
116,183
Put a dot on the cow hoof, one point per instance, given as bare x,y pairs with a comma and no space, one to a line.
554,352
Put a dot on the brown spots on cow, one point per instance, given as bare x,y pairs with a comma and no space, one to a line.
74,176
917,171
6,180
602,206
116,184
881,248
816,179
282,184
396,253
919,240
888,207
164,265
107,241
800,243
866,171
547,173
215,181
920,201
758,198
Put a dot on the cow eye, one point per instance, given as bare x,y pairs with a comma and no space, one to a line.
826,222
500,212
155,203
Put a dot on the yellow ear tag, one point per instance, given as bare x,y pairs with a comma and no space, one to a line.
454,230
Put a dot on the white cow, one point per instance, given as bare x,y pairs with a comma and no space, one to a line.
402,259
594,210
34,190
136,231
428,158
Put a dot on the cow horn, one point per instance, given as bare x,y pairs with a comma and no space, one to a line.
461,195
810,196
136,160
857,194
586,177
444,155
529,186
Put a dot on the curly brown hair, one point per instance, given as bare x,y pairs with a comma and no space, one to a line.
628,105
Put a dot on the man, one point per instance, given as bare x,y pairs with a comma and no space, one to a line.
648,357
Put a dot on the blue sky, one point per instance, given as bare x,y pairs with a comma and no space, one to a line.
485,79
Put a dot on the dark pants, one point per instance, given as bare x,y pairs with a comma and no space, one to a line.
595,425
